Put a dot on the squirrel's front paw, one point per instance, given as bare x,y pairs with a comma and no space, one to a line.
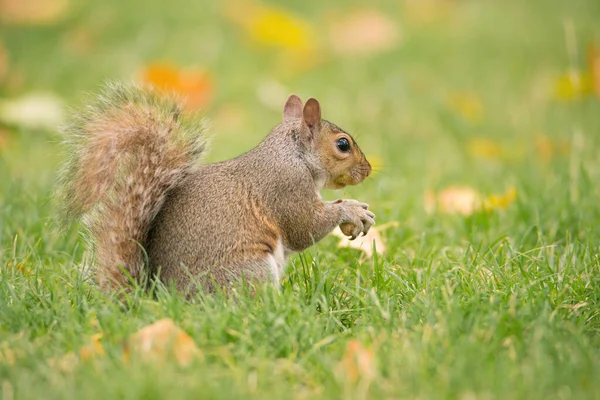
356,218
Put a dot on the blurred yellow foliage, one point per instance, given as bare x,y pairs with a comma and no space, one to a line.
272,27
547,149
468,105
194,85
573,85
485,148
500,201
279,29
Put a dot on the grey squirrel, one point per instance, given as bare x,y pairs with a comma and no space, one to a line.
151,209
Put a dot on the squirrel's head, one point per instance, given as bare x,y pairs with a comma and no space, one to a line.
337,152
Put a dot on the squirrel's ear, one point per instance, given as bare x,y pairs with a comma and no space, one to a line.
312,113
292,108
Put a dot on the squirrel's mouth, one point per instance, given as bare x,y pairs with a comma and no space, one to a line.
351,178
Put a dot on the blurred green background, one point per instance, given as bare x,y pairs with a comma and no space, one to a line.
482,120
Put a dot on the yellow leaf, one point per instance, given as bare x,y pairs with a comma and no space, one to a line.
573,85
92,350
271,27
162,341
468,105
453,200
485,148
363,32
500,201
465,200
194,84
358,363
365,243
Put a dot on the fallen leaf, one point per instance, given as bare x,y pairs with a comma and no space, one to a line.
547,149
485,148
468,105
33,12
358,363
466,200
500,201
272,27
71,360
33,111
365,243
573,85
594,67
194,84
453,200
162,341
363,32
278,29
92,350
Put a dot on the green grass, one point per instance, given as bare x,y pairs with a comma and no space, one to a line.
494,305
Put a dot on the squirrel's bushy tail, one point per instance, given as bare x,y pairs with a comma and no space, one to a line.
127,150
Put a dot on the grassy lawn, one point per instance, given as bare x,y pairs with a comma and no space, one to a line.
500,303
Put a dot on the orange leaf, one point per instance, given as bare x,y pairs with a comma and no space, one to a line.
92,350
162,341
594,67
33,12
194,85
358,362
363,32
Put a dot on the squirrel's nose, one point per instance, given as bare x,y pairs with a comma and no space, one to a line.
368,168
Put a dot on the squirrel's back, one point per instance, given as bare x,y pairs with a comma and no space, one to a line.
128,149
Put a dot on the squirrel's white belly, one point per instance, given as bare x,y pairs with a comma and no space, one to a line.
277,262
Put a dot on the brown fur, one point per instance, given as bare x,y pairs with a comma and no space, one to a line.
135,178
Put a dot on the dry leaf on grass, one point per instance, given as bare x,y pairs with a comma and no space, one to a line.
193,84
33,12
468,105
573,85
466,200
271,26
363,32
594,67
365,243
33,111
358,363
162,341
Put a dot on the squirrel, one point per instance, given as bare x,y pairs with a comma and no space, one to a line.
152,210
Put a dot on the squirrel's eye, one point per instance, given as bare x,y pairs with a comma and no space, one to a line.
343,145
